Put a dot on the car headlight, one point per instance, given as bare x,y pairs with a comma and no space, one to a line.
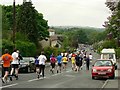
109,70
94,70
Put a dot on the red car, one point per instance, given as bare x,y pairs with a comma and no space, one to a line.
103,69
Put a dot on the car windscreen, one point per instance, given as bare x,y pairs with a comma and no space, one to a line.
103,63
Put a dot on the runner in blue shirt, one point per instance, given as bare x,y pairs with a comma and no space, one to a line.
59,61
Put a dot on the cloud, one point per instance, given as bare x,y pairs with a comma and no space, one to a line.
71,12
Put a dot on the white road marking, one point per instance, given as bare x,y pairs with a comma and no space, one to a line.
32,80
69,75
9,85
104,84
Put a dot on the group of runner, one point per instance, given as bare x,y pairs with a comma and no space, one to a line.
61,60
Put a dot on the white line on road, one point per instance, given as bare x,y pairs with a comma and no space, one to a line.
104,84
32,80
9,85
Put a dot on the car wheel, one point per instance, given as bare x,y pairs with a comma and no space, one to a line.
28,70
93,77
112,76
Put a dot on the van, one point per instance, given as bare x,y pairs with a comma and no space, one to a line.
109,54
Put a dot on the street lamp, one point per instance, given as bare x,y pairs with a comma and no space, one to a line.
14,23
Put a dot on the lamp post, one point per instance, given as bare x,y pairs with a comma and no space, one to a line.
14,22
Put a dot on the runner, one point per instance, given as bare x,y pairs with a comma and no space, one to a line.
77,58
7,58
73,62
69,56
15,64
87,62
65,61
37,66
90,57
42,60
59,61
52,61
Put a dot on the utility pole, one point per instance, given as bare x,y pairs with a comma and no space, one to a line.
14,23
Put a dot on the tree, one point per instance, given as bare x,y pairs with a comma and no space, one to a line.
113,24
31,23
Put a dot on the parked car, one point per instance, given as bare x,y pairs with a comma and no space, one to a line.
103,69
27,64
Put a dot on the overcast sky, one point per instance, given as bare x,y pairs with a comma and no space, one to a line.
91,13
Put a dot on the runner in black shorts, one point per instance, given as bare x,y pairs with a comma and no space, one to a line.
6,58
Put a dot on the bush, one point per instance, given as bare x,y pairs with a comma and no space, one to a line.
7,44
109,44
26,48
118,52
49,50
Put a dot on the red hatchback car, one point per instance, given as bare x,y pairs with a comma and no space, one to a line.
103,69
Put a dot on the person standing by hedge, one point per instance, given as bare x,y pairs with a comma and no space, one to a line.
7,58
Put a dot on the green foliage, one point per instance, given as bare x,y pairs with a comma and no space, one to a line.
21,36
113,25
30,27
31,23
49,50
7,44
118,52
73,36
109,44
26,48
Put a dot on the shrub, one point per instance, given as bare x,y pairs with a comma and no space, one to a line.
7,44
118,52
49,50
26,48
109,44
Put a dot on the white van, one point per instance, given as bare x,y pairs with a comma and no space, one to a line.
109,54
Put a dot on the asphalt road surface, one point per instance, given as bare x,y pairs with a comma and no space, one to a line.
65,79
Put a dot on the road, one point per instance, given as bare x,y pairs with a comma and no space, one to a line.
66,79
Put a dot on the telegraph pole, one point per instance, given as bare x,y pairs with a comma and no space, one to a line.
14,23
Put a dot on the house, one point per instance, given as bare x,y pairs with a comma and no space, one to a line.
52,41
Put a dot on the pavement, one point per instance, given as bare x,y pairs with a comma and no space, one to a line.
115,82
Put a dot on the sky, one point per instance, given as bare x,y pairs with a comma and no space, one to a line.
90,13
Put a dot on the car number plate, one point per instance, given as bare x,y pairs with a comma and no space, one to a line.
101,73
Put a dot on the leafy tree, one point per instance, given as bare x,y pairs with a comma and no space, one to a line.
31,23
113,25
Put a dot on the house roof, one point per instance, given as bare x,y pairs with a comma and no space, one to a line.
53,38
51,30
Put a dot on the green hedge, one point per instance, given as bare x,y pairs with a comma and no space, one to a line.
49,50
26,48
118,52
7,44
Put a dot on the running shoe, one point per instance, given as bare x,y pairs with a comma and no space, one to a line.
38,76
57,71
10,78
3,80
